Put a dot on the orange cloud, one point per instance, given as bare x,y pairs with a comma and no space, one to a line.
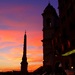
11,36
11,49
31,68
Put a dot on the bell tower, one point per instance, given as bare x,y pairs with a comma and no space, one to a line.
49,27
24,63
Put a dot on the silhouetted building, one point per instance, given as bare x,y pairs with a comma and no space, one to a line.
50,27
59,34
67,28
24,63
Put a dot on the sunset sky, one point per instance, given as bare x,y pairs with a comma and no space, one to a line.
16,16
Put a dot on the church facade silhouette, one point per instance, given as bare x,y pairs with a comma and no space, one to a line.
50,26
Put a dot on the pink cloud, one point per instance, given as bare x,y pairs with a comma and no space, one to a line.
10,9
20,18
